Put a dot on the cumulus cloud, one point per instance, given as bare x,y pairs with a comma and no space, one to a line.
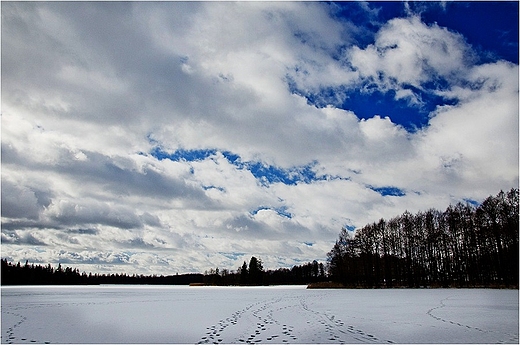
408,54
19,201
176,137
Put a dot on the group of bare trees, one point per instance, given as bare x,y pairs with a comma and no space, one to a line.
462,246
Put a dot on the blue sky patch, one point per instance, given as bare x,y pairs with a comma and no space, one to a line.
282,211
367,22
490,26
388,191
472,202
269,174
350,227
265,173
369,102
401,112
182,155
214,187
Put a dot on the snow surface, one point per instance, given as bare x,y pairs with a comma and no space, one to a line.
173,314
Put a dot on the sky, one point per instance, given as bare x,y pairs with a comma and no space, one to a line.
175,137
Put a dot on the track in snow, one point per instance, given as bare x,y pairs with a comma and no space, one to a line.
513,338
285,320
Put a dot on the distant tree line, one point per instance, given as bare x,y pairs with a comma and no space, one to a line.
464,246
17,274
254,274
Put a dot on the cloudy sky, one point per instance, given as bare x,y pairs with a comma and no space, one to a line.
164,137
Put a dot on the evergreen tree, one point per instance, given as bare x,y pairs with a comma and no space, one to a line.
256,271
244,274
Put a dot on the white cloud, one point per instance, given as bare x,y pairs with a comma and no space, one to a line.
478,139
90,89
408,52
19,201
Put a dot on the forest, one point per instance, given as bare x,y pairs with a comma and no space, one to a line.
30,274
464,246
252,274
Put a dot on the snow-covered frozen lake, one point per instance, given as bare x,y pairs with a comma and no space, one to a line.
173,314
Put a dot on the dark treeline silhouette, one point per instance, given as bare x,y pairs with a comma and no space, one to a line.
16,274
254,274
464,246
